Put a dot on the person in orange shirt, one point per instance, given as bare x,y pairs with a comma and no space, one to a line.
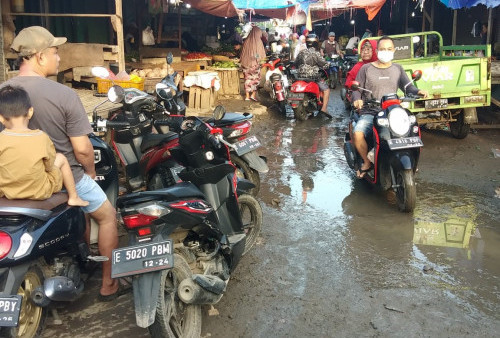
29,165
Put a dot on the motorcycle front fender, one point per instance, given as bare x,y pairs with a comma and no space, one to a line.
243,186
403,161
255,161
146,291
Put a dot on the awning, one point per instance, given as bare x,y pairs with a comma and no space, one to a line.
222,8
456,4
330,8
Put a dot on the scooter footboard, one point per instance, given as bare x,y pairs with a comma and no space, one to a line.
255,162
146,292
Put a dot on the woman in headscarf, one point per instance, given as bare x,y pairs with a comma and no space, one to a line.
368,53
301,45
252,53
294,40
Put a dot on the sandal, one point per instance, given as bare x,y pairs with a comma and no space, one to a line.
327,114
362,172
122,289
254,99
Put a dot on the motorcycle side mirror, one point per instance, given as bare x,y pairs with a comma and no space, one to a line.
416,75
219,112
163,91
100,72
116,94
170,58
354,85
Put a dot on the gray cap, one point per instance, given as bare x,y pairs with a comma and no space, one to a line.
34,39
331,34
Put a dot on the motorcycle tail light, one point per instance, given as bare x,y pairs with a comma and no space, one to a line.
415,129
138,220
241,129
5,244
280,68
144,231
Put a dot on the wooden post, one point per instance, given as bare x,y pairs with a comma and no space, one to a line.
179,26
454,28
160,28
432,16
406,16
119,35
490,23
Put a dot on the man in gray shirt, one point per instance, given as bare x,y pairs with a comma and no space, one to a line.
60,113
379,78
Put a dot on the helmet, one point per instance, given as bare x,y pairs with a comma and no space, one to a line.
312,41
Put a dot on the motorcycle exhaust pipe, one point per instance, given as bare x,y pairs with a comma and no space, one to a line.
57,288
201,290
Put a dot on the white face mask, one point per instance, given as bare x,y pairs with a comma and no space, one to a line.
385,56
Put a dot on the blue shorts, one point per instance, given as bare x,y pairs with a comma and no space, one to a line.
364,124
90,191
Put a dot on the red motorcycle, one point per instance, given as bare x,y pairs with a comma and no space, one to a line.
305,97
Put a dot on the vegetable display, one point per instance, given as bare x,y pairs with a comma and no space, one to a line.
197,56
225,64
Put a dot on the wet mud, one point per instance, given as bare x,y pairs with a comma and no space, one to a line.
337,259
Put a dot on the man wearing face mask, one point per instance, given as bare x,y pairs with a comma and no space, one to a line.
379,78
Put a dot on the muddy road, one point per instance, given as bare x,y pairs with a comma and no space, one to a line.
336,258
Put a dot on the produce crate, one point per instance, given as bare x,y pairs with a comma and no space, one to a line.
201,99
103,85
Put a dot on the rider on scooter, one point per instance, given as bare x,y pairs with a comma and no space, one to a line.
377,78
309,63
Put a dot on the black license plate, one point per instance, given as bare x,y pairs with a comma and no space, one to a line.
10,307
246,145
438,103
142,258
405,142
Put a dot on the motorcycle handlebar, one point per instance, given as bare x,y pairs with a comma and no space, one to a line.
117,124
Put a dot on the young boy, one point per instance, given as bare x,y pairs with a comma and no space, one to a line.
29,165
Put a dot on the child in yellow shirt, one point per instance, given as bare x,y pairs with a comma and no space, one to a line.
30,168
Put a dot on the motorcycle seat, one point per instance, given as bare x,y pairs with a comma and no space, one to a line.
233,118
152,140
178,191
37,209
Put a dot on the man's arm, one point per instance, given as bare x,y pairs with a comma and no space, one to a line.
84,153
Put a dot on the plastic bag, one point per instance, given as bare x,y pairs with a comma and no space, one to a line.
148,38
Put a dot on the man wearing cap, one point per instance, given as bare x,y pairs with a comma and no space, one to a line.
60,113
330,46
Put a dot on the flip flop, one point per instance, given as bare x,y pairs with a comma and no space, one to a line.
327,115
254,99
362,172
247,99
122,289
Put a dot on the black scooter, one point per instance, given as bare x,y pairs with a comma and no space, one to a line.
395,147
186,240
43,252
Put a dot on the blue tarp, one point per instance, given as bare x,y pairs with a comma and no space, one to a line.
456,4
265,4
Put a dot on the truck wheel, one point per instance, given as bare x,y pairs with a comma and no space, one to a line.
406,192
31,317
459,129
174,318
243,170
251,216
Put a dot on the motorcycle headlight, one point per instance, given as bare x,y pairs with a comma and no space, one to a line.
399,121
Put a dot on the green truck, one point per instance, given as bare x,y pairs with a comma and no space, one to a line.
457,78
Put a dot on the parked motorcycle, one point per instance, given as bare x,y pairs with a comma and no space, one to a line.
168,92
394,147
186,240
305,97
137,147
276,85
43,253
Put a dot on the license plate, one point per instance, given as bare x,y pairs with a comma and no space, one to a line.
405,142
247,145
142,258
438,103
10,307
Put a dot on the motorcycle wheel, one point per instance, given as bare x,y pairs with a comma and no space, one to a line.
173,317
243,170
251,215
333,80
282,107
31,317
301,112
406,193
